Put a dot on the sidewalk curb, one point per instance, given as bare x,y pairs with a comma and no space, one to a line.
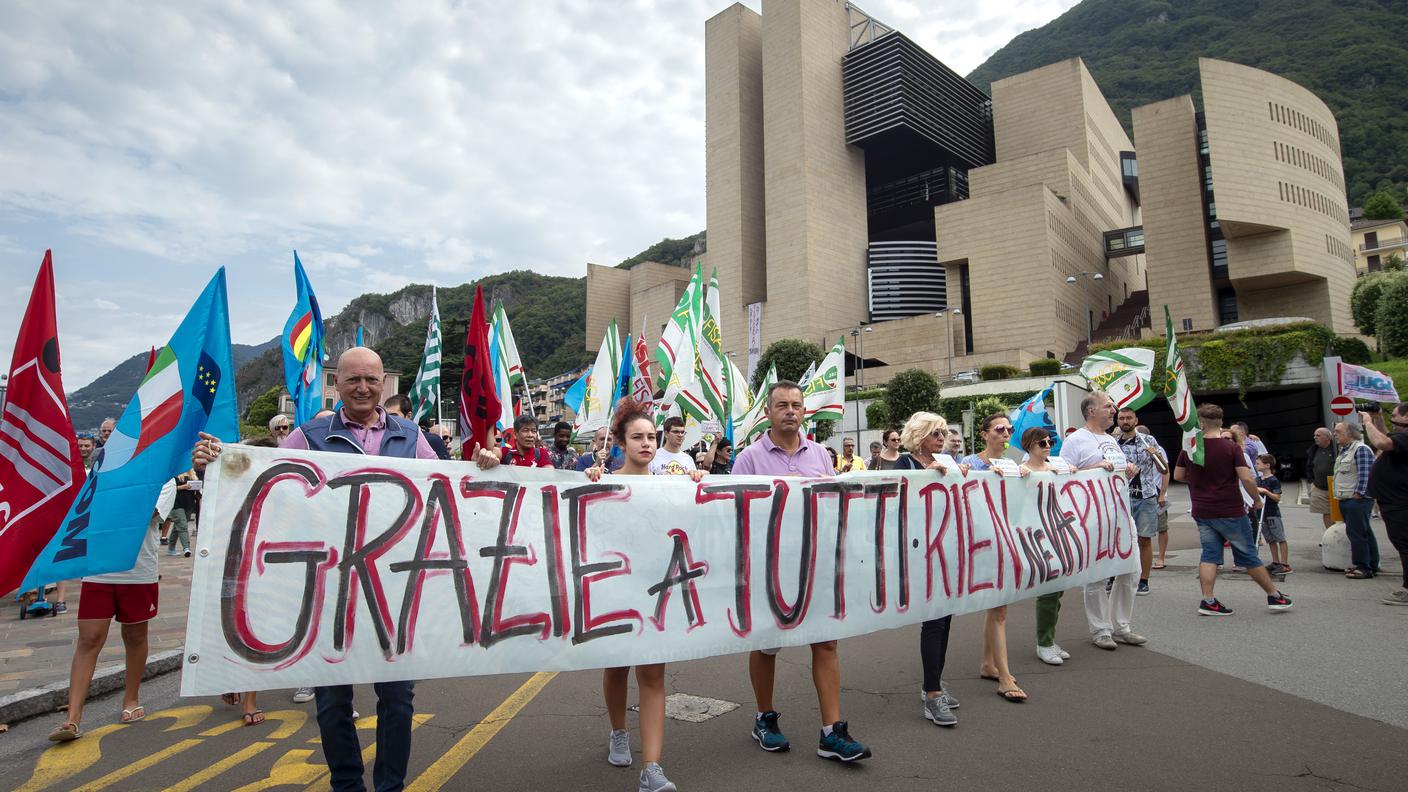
48,699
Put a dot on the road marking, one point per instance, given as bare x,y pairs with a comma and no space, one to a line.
443,769
184,717
138,766
251,750
291,769
65,760
290,721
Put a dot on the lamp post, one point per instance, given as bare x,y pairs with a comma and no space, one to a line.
948,314
1094,276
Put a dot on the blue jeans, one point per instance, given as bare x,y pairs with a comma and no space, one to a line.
1363,547
343,751
1146,517
1238,533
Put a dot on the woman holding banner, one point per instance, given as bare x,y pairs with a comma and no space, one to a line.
634,431
924,435
996,430
1037,442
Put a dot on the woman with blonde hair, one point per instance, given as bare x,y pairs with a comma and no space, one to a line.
924,434
995,431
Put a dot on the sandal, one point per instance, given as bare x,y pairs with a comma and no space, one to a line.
133,715
65,732
230,698
1014,695
254,718
1358,574
1158,565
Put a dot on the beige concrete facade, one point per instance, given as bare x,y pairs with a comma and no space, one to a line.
1038,215
1278,187
645,294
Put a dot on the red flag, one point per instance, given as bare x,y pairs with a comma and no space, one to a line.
41,470
479,404
151,360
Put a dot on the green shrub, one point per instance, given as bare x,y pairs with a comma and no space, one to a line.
1351,350
263,408
911,391
1364,300
876,415
1044,367
1392,318
996,372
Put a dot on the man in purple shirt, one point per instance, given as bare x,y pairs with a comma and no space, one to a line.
360,427
784,451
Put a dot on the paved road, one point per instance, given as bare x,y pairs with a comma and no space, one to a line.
1310,699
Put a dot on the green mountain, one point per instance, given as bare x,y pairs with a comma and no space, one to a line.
1350,53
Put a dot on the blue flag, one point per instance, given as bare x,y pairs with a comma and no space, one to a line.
1032,412
361,338
578,392
626,374
302,344
189,389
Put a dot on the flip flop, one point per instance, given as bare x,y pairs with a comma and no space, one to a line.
1015,695
230,698
65,732
986,676
1158,565
254,718
133,715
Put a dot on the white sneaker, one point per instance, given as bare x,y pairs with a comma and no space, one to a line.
618,749
1049,655
1064,654
303,695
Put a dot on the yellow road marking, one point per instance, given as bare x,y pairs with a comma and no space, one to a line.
138,766
65,760
454,760
290,721
184,717
253,749
368,753
291,769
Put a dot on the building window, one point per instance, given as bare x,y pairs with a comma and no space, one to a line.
1371,240
1227,305
1374,264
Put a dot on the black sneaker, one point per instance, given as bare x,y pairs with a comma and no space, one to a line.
1215,608
1278,602
839,745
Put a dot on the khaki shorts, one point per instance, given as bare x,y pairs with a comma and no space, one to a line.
1319,500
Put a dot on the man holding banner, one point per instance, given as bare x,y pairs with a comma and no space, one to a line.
783,451
362,426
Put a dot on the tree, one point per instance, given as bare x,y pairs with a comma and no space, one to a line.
1382,206
1364,300
792,357
1391,321
264,407
877,415
911,391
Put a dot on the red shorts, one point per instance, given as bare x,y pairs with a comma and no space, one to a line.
129,603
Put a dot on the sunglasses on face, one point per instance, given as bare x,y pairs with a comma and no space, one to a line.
1044,443
938,434
1002,429
280,428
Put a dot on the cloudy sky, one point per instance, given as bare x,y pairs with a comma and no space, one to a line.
390,143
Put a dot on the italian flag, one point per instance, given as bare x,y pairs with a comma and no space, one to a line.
159,398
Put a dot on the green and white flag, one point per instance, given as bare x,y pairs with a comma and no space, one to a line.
597,404
1180,398
508,351
677,358
740,398
755,421
713,373
824,394
1124,374
425,391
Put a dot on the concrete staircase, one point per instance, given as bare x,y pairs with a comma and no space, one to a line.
1127,321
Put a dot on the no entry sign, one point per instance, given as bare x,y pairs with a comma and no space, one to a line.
1341,405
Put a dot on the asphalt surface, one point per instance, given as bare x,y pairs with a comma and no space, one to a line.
1309,699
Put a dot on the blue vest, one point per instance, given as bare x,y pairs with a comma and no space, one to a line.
329,433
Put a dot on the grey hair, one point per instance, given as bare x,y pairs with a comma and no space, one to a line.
1352,429
1323,430
1091,399
278,420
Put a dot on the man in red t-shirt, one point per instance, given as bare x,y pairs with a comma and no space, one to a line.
1215,489
525,451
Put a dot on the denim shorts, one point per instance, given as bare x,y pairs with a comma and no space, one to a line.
1146,517
1237,531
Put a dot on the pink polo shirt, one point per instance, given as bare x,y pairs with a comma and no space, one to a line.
368,437
765,458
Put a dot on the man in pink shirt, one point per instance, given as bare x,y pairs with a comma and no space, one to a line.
784,451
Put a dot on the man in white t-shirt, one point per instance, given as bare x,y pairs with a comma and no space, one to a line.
129,597
1092,446
670,459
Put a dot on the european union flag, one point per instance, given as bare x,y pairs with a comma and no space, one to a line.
105,527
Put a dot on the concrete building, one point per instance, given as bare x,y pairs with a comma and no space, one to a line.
645,294
1244,203
1377,241
857,187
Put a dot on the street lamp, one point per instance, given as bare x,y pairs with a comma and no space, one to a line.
1095,276
948,314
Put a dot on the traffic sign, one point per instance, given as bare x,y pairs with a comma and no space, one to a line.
1341,405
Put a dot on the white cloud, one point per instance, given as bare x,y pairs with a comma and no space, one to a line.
387,142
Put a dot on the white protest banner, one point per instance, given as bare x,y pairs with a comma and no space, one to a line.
321,569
